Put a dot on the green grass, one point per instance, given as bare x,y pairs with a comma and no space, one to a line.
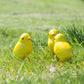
37,17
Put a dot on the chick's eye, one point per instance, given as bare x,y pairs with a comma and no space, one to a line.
22,38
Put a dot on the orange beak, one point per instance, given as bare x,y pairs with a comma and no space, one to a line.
53,34
29,38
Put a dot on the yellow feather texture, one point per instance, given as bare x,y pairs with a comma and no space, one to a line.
62,49
51,36
23,47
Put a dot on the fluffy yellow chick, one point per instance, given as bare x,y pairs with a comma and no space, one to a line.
51,36
23,47
62,49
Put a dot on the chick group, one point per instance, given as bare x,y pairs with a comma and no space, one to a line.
59,46
56,42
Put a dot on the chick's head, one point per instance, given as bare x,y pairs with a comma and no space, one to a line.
59,38
52,33
25,37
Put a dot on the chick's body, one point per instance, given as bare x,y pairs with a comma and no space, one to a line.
24,47
51,36
62,49
51,45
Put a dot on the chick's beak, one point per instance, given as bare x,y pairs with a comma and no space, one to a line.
29,38
53,34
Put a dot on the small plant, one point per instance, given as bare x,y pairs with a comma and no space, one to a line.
74,34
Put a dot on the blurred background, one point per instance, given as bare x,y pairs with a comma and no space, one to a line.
41,14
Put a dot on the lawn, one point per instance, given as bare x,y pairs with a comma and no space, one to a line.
37,17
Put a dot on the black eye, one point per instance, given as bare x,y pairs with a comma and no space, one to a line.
22,38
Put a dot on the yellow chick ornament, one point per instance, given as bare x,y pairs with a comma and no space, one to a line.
62,49
23,47
51,36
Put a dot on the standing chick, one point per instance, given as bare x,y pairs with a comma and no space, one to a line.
23,47
51,36
62,49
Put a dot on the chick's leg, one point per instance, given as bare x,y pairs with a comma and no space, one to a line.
59,62
52,55
22,60
29,59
